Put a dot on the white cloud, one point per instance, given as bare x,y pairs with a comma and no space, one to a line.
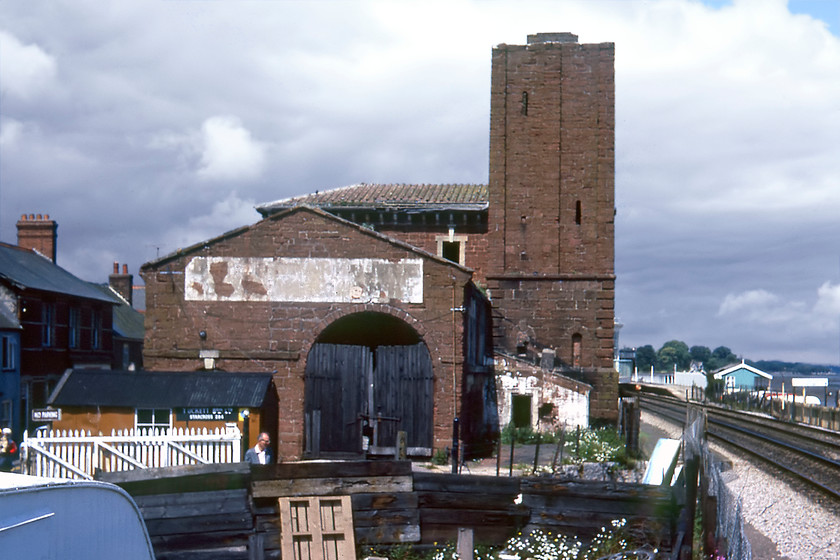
10,132
27,69
828,300
231,213
228,152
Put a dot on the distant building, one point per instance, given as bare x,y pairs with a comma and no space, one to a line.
743,377
64,321
51,320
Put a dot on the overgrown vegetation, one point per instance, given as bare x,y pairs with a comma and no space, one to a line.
537,545
579,446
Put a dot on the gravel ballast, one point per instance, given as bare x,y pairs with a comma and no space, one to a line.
784,520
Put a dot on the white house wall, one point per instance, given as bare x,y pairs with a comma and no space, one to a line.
569,397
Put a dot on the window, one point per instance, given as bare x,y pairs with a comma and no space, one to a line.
48,325
9,350
95,330
452,247
74,334
151,418
6,414
524,108
577,342
578,212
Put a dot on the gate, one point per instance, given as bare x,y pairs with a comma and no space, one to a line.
355,391
65,454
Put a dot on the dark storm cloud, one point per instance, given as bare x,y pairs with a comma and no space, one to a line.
145,126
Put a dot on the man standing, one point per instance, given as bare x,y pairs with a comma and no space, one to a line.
8,448
260,454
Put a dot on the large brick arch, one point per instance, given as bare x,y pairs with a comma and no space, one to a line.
333,316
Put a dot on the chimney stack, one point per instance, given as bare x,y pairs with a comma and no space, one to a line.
123,283
38,233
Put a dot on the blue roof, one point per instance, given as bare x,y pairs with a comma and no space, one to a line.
27,270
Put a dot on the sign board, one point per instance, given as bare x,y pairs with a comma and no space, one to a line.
46,414
809,381
212,414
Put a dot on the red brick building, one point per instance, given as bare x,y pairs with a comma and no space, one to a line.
305,292
366,335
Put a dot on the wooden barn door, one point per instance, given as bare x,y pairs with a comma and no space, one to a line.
336,394
402,389
343,385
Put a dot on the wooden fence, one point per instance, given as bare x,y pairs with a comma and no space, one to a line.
233,511
74,454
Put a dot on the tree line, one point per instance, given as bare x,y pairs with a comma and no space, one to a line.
676,353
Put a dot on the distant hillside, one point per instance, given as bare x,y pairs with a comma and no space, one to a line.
777,366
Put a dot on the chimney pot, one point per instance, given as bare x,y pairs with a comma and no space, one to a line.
125,269
38,235
116,267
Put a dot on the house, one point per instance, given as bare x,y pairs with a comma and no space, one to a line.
101,401
128,325
63,321
743,377
415,286
9,373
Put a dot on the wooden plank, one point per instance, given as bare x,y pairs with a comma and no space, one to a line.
617,507
374,518
464,500
441,482
188,541
200,524
384,501
330,469
162,506
472,517
330,486
388,534
159,473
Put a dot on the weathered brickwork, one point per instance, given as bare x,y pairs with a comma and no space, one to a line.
277,336
552,203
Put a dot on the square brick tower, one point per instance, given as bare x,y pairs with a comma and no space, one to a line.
552,206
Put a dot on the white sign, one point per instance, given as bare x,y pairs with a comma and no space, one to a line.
304,280
809,381
46,414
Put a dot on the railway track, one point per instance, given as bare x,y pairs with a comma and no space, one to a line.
806,453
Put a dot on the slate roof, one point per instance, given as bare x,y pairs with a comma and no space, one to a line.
366,196
159,389
128,322
27,270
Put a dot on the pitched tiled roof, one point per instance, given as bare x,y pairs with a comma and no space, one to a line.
27,269
391,196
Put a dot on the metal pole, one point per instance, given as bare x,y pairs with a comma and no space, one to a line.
455,446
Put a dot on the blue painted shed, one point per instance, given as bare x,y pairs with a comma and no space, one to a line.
744,377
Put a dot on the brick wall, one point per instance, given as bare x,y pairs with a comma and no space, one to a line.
551,189
276,336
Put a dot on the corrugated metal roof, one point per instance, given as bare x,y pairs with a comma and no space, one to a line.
160,389
397,196
29,270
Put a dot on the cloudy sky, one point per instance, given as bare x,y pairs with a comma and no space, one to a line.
147,125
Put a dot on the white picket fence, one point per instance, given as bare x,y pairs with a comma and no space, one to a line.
73,454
